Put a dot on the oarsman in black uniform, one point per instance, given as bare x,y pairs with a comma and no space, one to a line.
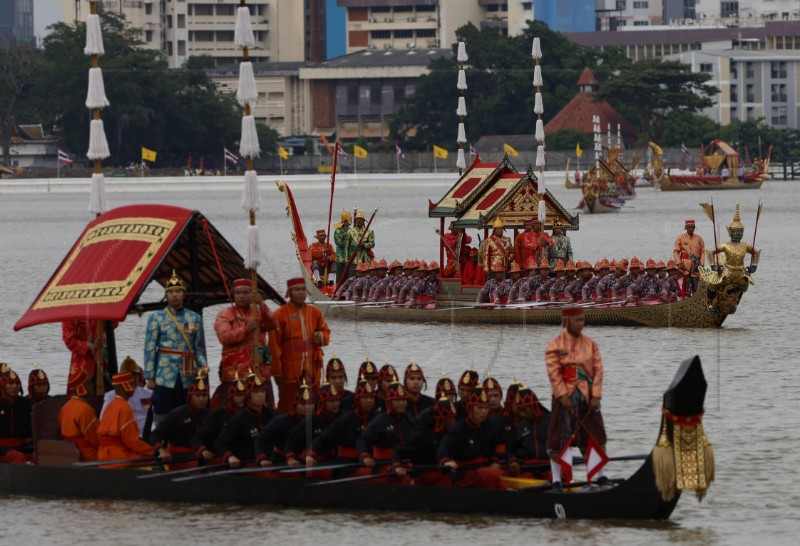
369,372
38,385
468,381
495,393
15,418
271,441
505,424
173,435
529,443
444,389
304,432
236,444
341,436
204,441
336,375
468,448
385,431
415,383
386,376
419,449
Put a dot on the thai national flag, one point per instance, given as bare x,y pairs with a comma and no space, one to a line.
685,151
472,151
398,151
342,153
230,157
63,157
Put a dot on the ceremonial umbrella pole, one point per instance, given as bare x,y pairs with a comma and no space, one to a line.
353,255
330,209
538,109
98,150
249,148
461,111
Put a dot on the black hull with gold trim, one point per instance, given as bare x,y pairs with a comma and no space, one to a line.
634,498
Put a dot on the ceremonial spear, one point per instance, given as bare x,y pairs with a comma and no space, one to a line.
330,209
755,229
353,255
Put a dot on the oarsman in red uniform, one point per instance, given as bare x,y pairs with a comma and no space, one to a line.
573,291
236,444
471,441
119,433
517,283
589,290
369,372
468,381
410,270
382,290
413,282
336,375
296,344
528,445
415,383
669,284
235,326
536,244
322,256
453,240
271,440
504,423
575,369
486,294
365,281
502,292
424,294
38,385
81,338
78,420
348,284
385,431
419,449
497,250
556,292
386,376
689,252
173,435
304,432
15,419
543,292
647,286
341,436
473,274
446,389
203,442
495,394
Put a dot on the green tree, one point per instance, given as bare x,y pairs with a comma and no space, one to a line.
267,139
650,91
18,65
175,112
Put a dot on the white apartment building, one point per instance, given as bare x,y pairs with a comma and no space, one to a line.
782,10
753,84
184,28
420,24
623,14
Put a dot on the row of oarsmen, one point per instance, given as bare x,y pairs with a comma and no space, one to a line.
606,281
411,281
384,428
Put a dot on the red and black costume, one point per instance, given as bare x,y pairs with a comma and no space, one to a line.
316,424
386,431
215,421
15,422
528,444
420,449
238,436
175,432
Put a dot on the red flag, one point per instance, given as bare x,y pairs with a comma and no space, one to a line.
189,162
565,460
326,143
202,160
596,458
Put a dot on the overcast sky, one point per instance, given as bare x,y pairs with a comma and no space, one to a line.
45,13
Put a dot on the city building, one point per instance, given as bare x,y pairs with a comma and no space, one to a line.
16,21
560,16
335,28
286,30
753,84
420,24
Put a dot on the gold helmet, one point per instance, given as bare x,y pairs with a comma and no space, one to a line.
498,223
175,282
360,214
345,218
737,223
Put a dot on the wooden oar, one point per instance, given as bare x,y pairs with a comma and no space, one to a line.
139,460
182,471
246,470
298,469
356,478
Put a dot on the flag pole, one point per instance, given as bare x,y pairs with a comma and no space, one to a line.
224,162
398,160
435,170
355,167
330,208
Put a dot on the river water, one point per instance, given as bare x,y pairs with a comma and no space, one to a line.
751,405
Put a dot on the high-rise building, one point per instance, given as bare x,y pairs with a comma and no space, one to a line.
336,21
285,30
410,24
16,20
560,16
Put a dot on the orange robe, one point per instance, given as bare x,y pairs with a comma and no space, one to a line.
323,255
570,361
119,434
79,425
295,356
686,246
237,343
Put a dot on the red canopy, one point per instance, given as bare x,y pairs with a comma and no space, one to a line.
122,251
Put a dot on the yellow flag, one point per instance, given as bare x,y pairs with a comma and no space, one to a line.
359,152
283,153
441,153
507,148
709,209
657,148
148,155
578,150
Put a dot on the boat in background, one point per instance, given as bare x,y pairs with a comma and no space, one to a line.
717,155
